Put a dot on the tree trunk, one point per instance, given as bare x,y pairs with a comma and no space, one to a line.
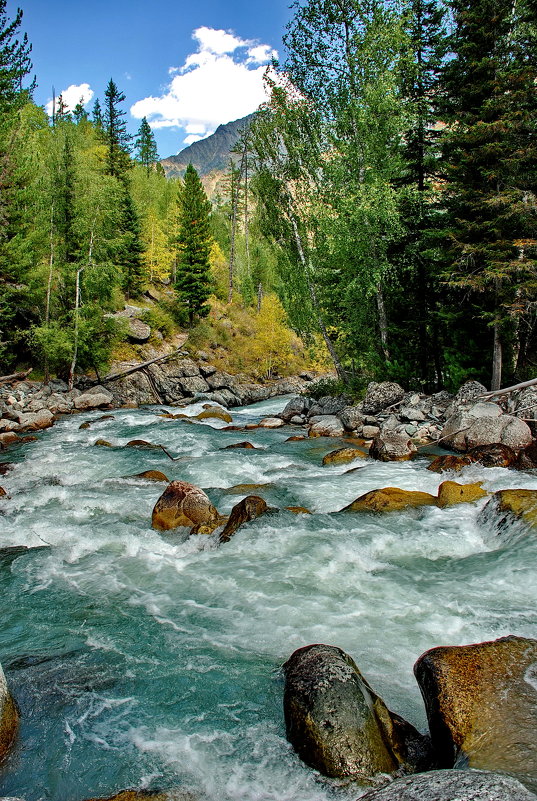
46,377
383,323
234,205
259,296
496,360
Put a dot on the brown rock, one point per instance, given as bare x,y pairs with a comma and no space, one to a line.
102,443
182,504
151,475
514,503
240,489
343,456
141,443
85,425
451,493
449,462
390,499
527,458
8,438
247,445
248,509
9,716
137,795
481,704
495,455
298,510
3,493
5,467
216,413
269,422
392,447
295,438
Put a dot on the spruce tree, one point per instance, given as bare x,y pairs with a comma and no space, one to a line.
15,61
131,249
490,153
115,128
194,243
97,115
146,146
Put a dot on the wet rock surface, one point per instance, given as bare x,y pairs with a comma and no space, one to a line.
453,785
248,509
390,499
182,504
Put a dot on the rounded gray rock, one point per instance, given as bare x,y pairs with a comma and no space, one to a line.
453,785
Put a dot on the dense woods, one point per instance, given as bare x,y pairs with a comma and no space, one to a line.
385,197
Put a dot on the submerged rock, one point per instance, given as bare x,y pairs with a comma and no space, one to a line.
9,716
449,462
248,509
481,703
392,447
246,445
151,475
451,493
453,785
343,456
142,443
511,504
338,724
182,504
390,499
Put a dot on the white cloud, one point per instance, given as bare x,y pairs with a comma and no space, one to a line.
76,93
220,82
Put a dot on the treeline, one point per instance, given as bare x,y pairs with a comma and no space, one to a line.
396,166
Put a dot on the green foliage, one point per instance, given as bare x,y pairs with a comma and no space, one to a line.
146,147
160,320
117,139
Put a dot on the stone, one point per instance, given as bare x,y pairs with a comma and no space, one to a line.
295,438
412,413
6,467
142,795
390,499
449,462
296,407
220,380
527,458
327,426
352,417
192,385
381,396
469,391
484,424
453,785
84,426
35,422
270,422
182,504
246,445
141,443
335,721
102,443
481,703
494,455
297,420
8,438
138,331
151,475
59,404
9,716
3,493
215,413
450,493
298,510
93,400
248,509
343,456
328,404
392,447
511,504
241,489
370,432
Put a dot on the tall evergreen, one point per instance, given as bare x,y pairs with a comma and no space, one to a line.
192,281
130,250
97,115
146,146
15,62
115,127
490,152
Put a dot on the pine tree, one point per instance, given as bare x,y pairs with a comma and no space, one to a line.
15,61
491,155
130,250
97,115
146,146
115,128
194,244
79,112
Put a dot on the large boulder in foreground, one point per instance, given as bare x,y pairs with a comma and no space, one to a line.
485,424
453,785
182,504
9,716
481,703
390,499
338,724
392,447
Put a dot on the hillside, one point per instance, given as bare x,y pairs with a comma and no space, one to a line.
209,155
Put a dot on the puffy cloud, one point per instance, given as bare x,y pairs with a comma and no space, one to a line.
76,93
220,82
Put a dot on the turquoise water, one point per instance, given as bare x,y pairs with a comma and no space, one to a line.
141,659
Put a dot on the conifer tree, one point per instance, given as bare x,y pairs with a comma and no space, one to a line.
115,128
192,281
15,61
130,250
79,112
146,146
97,115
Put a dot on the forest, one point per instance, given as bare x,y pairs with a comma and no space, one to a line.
382,204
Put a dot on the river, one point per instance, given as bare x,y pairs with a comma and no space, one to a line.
141,659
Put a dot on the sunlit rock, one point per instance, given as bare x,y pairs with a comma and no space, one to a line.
151,475
484,424
214,412
326,426
452,785
451,493
102,443
343,456
390,499
481,703
338,724
35,421
392,447
508,505
182,504
248,509
240,445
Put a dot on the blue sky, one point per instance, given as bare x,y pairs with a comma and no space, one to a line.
187,66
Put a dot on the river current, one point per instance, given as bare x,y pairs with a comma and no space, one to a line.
141,659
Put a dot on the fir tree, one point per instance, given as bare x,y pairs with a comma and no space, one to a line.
146,146
79,112
15,62
115,128
97,115
194,243
131,249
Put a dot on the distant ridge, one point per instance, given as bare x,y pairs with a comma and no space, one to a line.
209,155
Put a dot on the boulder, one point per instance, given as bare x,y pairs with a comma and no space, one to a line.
352,417
381,396
481,703
328,404
248,509
511,504
343,456
449,462
59,404
370,432
295,438
271,422
484,424
450,493
327,426
392,447
494,455
296,406
214,413
35,422
192,385
452,785
527,458
102,443
220,380
151,475
182,504
468,391
390,499
8,438
138,331
337,723
9,716
93,400
246,445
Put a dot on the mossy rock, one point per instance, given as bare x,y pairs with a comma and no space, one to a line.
152,475
390,499
449,462
450,493
516,503
343,456
215,413
84,426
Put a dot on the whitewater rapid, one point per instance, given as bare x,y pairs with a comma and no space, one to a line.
141,659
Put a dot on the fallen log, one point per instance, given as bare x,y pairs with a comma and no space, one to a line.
5,379
531,383
136,368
